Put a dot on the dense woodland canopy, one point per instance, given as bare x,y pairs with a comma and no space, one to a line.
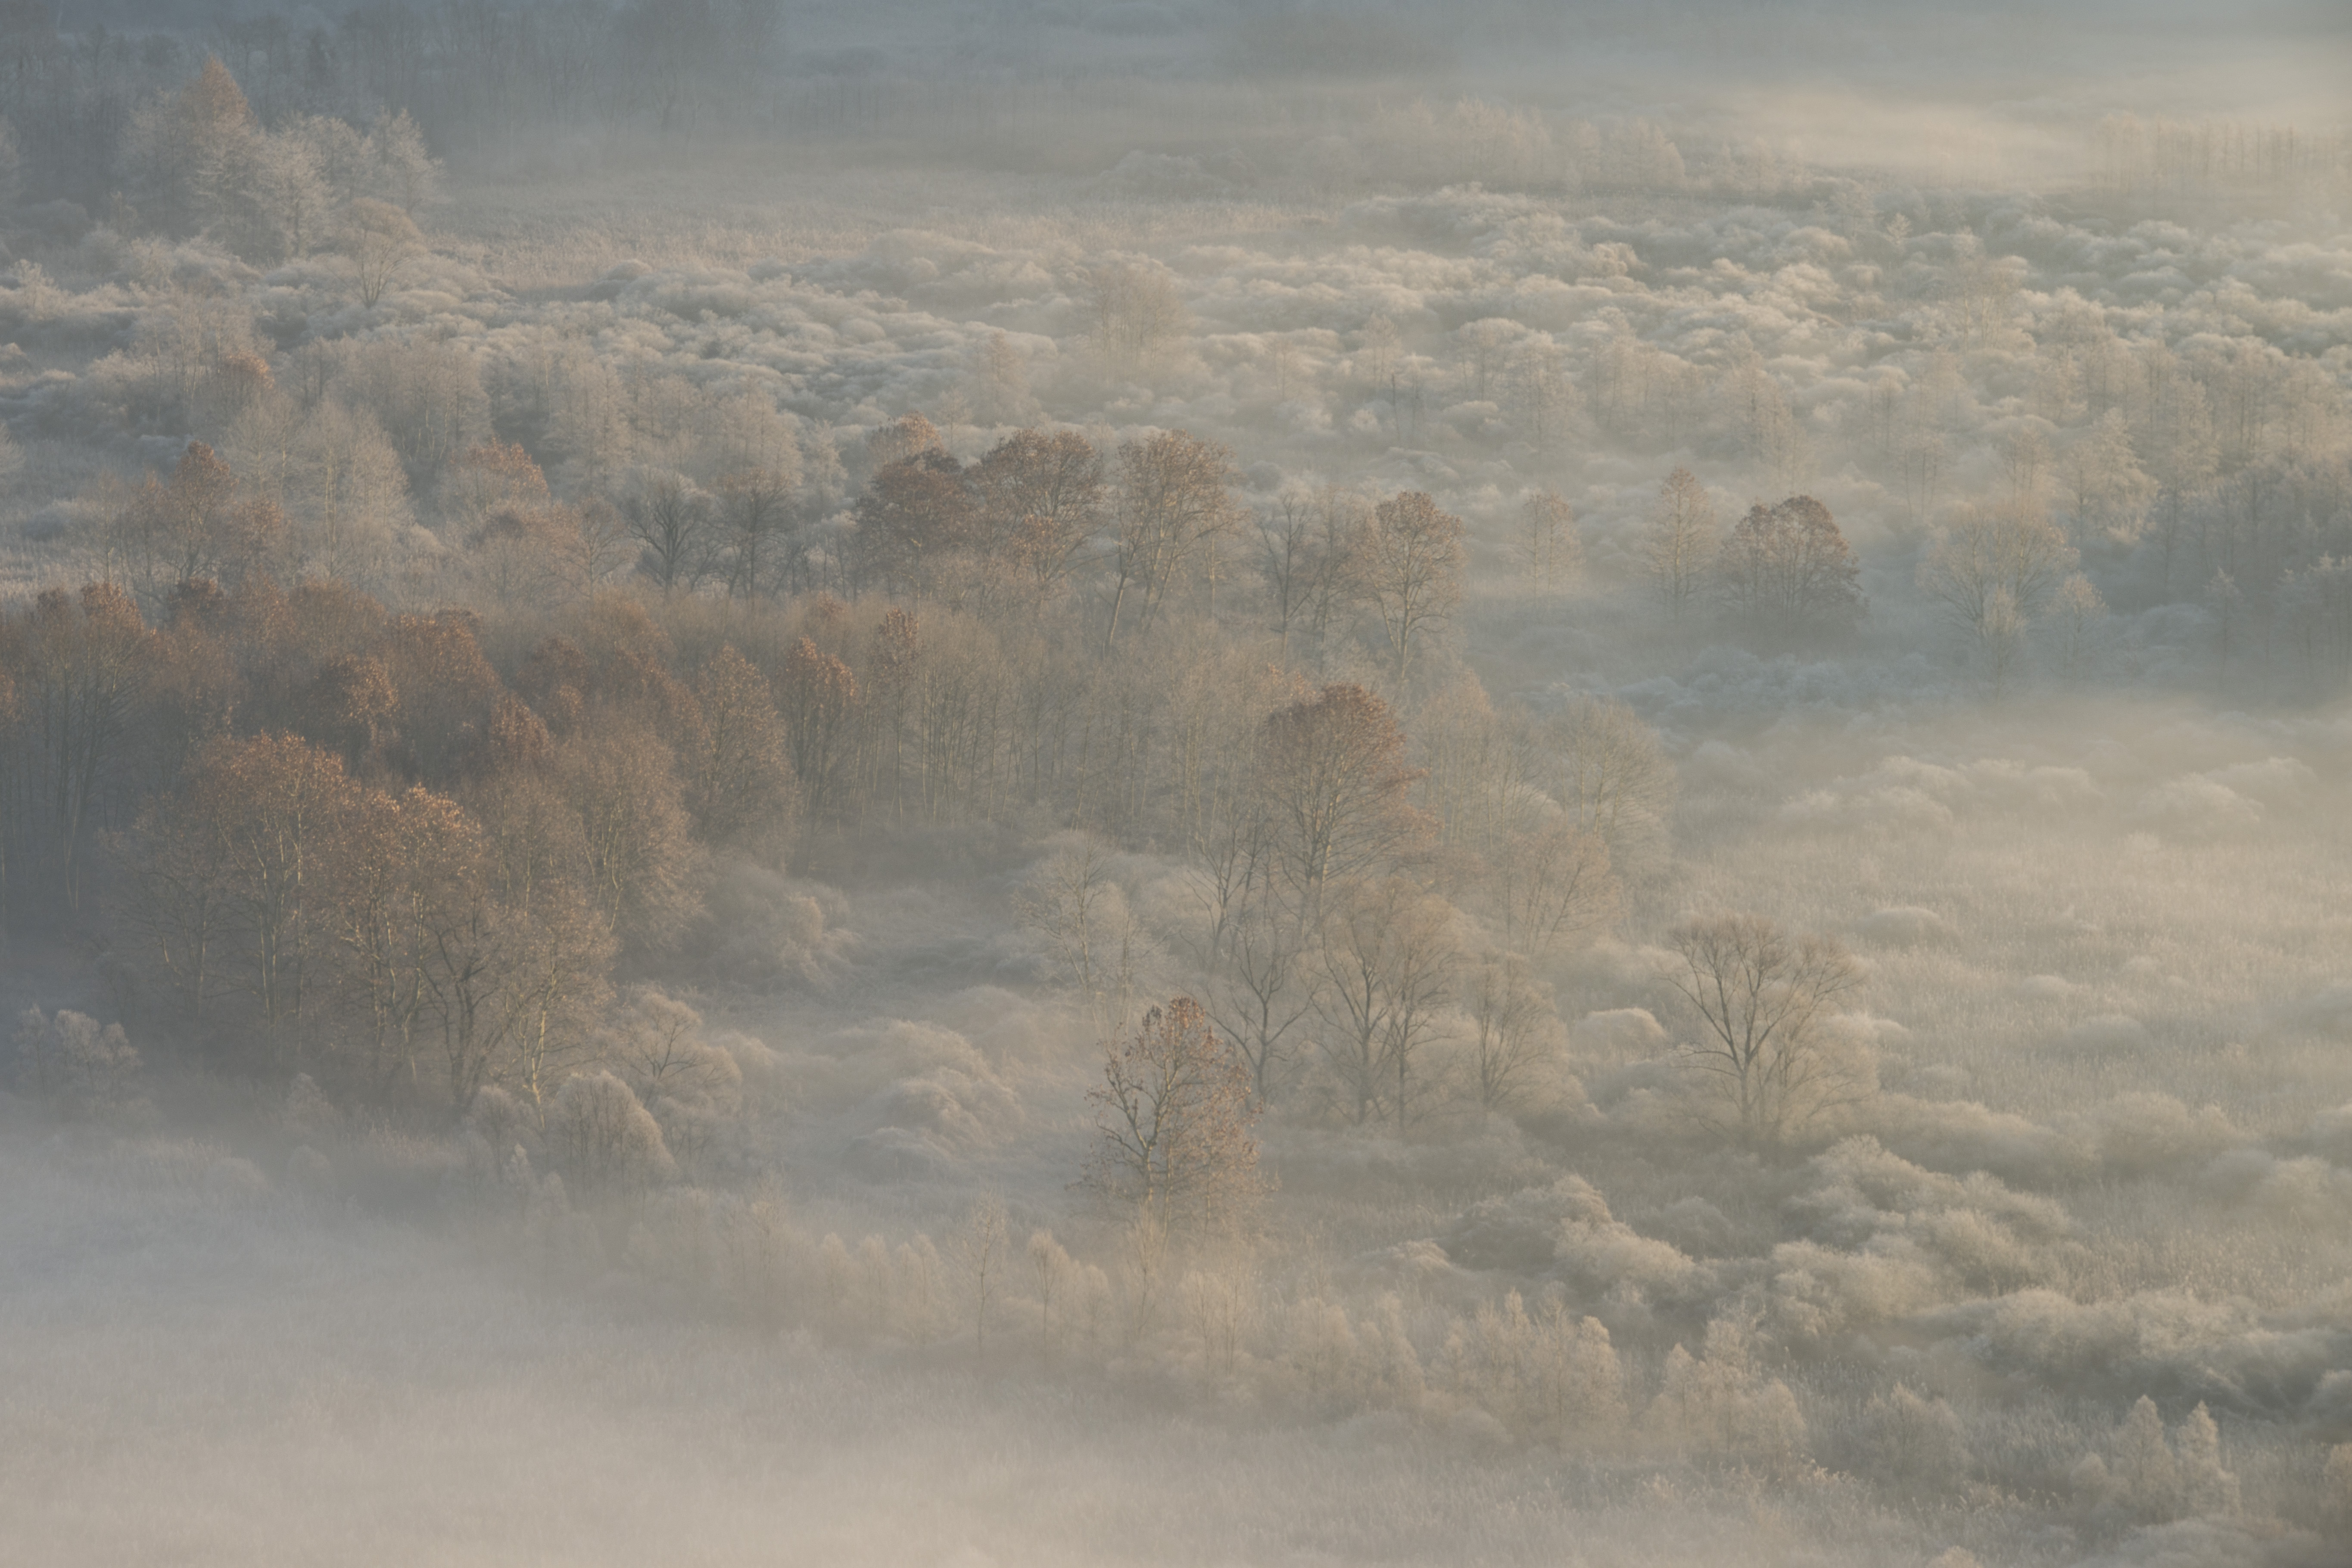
1173,709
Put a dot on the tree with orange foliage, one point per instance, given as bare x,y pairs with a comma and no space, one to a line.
194,691
174,904
1173,509
1333,783
1175,1118
283,642
195,525
490,475
1787,570
917,518
909,436
447,956
557,946
351,708
277,808
1041,499
741,787
640,856
445,690
554,680
817,698
377,989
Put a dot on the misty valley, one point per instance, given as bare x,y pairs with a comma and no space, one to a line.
1205,782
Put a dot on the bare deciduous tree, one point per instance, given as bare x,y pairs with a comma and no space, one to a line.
1993,571
1289,560
1515,1030
1261,991
1411,570
1386,959
1608,771
1546,547
380,239
1679,546
656,1045
755,509
1761,998
1076,905
984,1247
1552,884
671,522
1050,1270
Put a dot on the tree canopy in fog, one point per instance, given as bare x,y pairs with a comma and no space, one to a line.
1322,782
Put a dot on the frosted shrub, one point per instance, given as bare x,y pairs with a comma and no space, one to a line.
1911,1226
1606,1257
2206,1488
1524,1231
1819,1293
1715,1408
2141,1132
1391,1368
1548,1374
496,1118
2146,1479
69,1060
656,1045
604,1140
1915,1445
875,1291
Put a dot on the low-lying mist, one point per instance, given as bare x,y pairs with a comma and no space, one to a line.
1150,782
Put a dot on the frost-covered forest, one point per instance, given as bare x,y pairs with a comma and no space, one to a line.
1166,783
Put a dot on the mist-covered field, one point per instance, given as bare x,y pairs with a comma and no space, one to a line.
1164,783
